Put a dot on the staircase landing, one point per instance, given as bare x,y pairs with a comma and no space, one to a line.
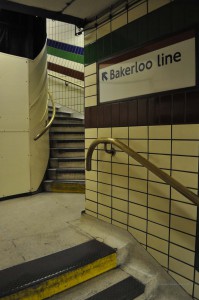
36,226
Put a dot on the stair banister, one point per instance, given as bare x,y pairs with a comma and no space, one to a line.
144,162
51,120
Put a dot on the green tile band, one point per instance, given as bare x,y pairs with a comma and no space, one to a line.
65,55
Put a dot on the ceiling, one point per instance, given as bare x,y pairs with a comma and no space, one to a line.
78,12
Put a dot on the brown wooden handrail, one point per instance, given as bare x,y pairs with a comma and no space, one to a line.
144,162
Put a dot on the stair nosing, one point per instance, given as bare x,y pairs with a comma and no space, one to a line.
51,266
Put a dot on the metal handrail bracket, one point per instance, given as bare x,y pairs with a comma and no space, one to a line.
51,119
144,162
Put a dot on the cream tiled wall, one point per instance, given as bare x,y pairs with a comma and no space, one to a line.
122,192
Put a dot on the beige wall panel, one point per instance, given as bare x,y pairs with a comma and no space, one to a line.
187,179
91,101
89,37
185,163
185,283
104,177
182,239
119,21
90,80
104,132
14,113
188,132
178,223
15,163
137,11
120,133
39,149
155,4
181,268
189,148
158,230
184,210
161,161
120,181
138,132
91,69
90,133
139,146
157,243
139,235
91,90
137,222
160,132
160,257
177,196
103,30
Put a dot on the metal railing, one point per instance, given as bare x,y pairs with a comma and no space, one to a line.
66,81
51,119
144,162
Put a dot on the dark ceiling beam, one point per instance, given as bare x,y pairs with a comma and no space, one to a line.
34,11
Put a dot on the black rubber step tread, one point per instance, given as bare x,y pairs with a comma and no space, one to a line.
62,159
127,289
67,118
79,181
66,132
59,112
68,170
68,140
28,274
68,149
67,125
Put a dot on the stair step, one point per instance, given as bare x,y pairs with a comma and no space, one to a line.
67,120
60,113
66,152
67,127
64,186
128,289
66,135
66,174
68,143
52,274
67,162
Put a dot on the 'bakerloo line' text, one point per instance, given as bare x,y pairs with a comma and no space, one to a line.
162,60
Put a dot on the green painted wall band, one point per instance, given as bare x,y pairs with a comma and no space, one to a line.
66,55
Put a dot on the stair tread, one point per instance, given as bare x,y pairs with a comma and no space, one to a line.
68,140
67,158
67,125
67,132
80,181
67,118
127,289
29,274
67,170
67,149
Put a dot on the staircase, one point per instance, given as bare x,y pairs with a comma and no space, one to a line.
66,171
88,269
47,276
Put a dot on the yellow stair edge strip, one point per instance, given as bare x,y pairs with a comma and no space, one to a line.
68,188
63,282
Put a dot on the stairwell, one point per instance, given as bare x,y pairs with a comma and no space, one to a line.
66,169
